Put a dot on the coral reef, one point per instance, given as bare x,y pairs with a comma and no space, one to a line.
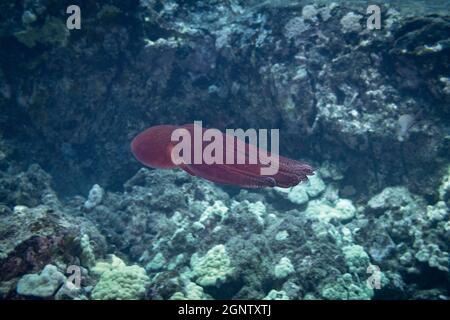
203,243
346,288
40,233
94,198
120,282
41,285
369,109
283,268
214,268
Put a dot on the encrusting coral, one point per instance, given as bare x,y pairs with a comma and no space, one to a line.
119,281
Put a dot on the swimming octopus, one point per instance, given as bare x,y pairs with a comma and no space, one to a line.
153,148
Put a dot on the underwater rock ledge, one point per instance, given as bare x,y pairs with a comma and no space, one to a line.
335,90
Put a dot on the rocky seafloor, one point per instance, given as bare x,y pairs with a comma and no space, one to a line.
369,109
